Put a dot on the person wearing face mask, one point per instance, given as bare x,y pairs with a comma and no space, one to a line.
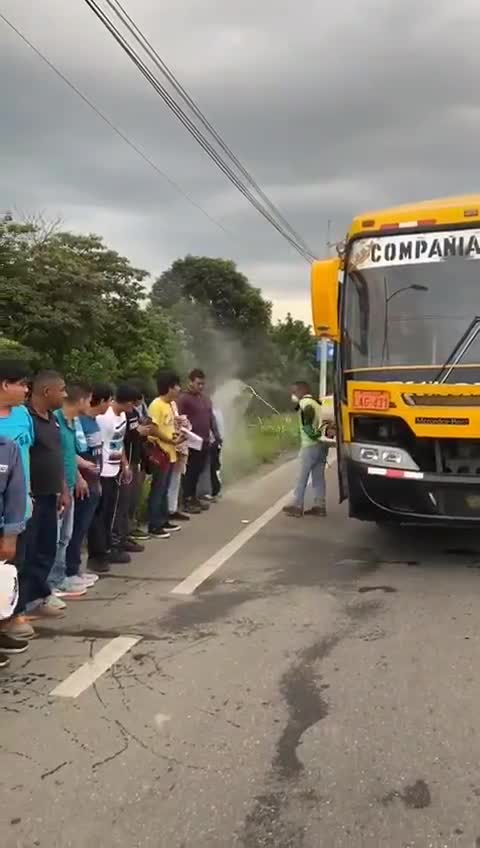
313,454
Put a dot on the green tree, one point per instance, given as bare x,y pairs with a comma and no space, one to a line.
296,346
216,284
226,319
69,297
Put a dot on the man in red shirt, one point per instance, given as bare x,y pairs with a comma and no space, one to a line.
198,408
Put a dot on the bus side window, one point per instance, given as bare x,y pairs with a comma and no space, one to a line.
357,312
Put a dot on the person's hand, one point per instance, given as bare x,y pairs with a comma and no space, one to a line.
126,476
8,547
81,489
64,501
91,468
145,430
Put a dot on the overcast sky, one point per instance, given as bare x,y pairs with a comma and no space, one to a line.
334,106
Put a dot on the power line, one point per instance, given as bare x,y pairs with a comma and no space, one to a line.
141,39
112,126
191,127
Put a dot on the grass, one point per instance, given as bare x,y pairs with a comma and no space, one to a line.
261,442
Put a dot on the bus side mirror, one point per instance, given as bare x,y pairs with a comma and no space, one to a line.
324,281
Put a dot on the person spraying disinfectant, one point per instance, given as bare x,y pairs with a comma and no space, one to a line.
313,454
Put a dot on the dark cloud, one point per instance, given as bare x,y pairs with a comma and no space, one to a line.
334,107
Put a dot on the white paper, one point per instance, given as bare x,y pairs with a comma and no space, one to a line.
192,441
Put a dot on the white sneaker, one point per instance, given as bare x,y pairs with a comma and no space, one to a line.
55,603
70,588
46,606
88,579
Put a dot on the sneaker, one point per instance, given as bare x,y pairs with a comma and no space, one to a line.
4,661
192,508
47,609
99,566
133,547
71,588
119,557
293,511
159,534
202,505
179,516
172,528
55,603
18,628
89,579
318,511
209,498
12,646
139,535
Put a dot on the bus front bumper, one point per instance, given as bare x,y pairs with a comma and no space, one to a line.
390,495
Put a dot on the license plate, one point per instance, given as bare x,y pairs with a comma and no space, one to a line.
378,401
473,501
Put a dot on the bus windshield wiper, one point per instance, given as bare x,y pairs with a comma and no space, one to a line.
463,345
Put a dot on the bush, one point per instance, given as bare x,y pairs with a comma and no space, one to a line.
263,441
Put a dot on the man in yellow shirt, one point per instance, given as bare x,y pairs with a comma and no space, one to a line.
162,415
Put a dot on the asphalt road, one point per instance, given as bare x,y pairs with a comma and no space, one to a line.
320,690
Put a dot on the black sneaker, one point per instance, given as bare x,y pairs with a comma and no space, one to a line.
139,535
133,547
119,558
202,505
172,528
159,534
192,508
4,661
179,516
12,646
98,566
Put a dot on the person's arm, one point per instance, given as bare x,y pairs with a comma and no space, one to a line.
86,465
215,428
81,486
126,474
64,499
14,505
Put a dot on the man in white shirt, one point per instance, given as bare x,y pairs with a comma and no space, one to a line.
102,548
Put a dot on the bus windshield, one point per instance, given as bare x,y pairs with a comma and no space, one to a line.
409,299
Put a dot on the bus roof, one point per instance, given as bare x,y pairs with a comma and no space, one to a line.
447,210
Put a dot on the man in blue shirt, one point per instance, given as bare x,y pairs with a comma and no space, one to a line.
16,424
76,403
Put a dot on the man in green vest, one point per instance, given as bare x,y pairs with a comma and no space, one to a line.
313,454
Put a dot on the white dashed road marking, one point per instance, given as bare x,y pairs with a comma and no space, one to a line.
204,571
90,671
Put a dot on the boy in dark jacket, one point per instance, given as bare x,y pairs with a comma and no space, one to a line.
13,499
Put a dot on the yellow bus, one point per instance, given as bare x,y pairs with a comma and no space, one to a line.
402,303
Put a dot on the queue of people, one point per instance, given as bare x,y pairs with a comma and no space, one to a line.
74,460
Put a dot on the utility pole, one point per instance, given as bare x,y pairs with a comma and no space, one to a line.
322,388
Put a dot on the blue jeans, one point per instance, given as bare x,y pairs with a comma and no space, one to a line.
312,464
64,534
84,511
158,498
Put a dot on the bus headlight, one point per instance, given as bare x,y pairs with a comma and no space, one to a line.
383,456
